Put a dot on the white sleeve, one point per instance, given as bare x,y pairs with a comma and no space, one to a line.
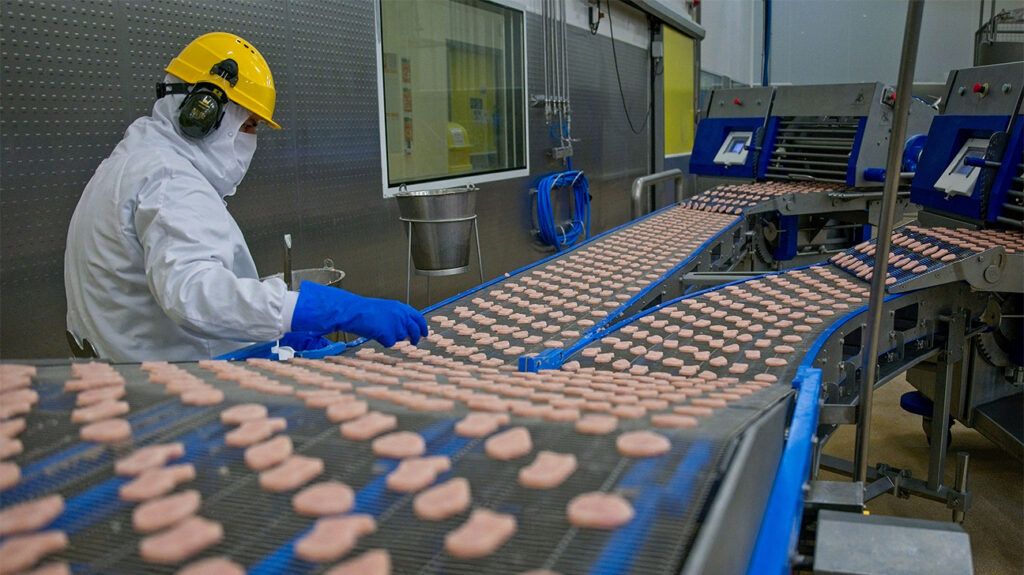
188,238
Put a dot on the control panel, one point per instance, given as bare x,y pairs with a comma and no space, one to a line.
729,132
733,151
959,177
970,170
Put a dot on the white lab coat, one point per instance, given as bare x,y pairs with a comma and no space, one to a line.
155,266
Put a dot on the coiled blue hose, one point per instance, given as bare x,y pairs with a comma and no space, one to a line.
563,236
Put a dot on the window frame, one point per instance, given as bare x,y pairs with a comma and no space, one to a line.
461,180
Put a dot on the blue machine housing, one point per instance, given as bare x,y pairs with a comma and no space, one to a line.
946,137
711,132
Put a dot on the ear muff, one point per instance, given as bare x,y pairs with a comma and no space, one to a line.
203,108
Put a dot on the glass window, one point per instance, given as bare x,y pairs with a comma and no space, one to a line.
453,102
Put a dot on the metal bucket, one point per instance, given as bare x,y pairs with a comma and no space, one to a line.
440,224
327,275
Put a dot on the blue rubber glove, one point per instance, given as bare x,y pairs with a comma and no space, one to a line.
322,309
302,341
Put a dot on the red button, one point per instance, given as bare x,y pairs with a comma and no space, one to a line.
978,88
737,101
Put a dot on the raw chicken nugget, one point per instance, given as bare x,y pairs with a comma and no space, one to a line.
255,431
24,551
368,426
10,474
149,457
548,470
156,482
480,424
156,514
30,515
333,537
482,534
443,501
293,473
642,444
399,445
373,562
414,474
106,431
326,498
599,511
241,413
597,424
269,453
182,541
509,444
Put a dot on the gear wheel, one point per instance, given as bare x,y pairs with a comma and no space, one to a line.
989,349
1001,347
762,248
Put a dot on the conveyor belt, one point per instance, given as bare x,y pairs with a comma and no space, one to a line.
553,304
668,492
701,398
917,250
734,198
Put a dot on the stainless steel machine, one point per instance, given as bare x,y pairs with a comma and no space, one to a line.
830,139
971,178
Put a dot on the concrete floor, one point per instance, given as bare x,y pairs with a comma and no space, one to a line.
995,521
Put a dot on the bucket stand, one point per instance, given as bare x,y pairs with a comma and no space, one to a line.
438,273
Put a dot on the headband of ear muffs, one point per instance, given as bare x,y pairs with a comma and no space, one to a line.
203,108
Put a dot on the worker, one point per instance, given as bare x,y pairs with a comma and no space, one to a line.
157,268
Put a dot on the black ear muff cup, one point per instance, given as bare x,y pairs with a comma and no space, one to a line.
202,110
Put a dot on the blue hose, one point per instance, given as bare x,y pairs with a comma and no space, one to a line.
563,236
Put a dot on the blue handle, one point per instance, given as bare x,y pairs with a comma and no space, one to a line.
874,174
976,162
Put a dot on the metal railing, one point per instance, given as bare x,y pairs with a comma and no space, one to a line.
643,185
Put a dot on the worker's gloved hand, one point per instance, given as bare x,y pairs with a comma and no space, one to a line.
303,341
323,309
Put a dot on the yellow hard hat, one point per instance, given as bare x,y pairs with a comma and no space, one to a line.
254,88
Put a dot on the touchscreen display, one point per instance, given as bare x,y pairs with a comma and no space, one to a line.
737,145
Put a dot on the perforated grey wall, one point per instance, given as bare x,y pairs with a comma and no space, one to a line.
75,73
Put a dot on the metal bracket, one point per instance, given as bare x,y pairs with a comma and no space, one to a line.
902,483
837,414
716,278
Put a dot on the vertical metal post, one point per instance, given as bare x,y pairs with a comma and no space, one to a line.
940,419
479,252
547,84
960,481
945,366
908,61
408,268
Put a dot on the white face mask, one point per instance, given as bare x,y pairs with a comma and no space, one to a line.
245,147
227,151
